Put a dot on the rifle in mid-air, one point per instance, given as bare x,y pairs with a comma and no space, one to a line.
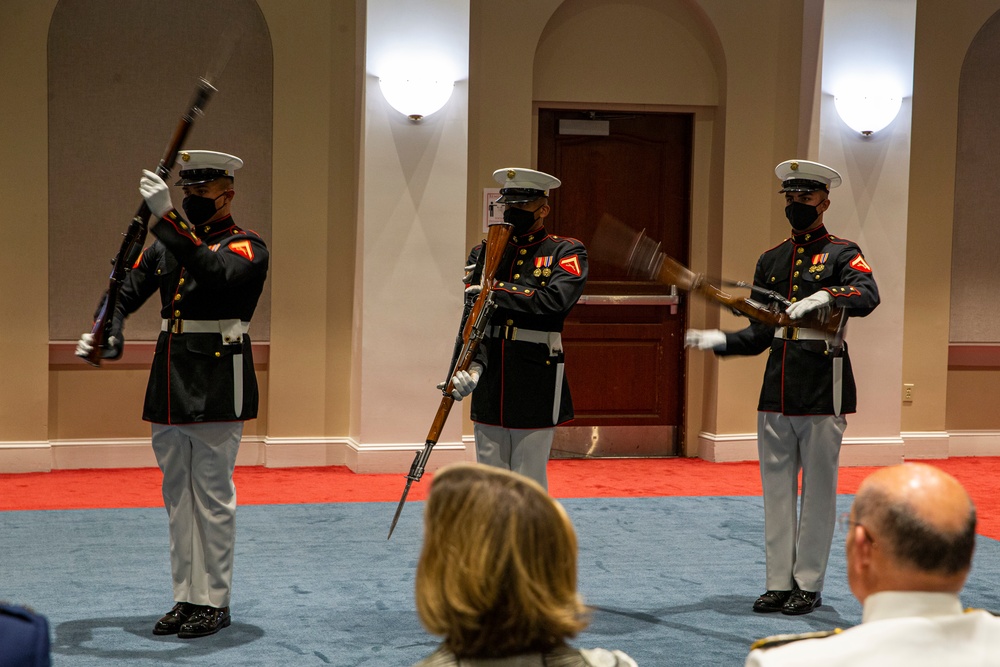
473,332
135,235
642,258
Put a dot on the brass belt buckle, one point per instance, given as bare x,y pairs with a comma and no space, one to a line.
509,332
177,326
791,333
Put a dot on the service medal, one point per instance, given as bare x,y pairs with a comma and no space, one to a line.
542,265
536,272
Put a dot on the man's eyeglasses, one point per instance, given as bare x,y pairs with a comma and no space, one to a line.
845,523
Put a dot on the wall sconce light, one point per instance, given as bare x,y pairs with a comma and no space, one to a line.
416,98
867,113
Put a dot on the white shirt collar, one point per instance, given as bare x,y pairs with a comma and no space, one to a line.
899,604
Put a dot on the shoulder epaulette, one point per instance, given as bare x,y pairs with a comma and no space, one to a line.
780,640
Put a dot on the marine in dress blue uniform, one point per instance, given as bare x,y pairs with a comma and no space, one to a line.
521,387
209,274
808,386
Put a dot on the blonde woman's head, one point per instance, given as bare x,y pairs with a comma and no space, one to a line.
497,573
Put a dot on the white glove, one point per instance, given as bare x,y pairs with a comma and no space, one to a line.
156,193
465,381
705,339
85,346
812,302
473,290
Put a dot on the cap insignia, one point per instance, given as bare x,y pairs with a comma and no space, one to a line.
511,174
185,156
794,166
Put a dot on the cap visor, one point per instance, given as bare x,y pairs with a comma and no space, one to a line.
519,195
803,185
516,199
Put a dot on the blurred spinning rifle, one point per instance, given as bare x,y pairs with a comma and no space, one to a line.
476,320
642,258
135,235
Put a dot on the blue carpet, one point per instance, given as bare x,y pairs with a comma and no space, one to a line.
671,581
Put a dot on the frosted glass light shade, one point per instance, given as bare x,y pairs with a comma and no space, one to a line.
416,98
869,113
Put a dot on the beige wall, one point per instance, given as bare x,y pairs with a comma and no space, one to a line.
761,113
408,294
748,120
315,181
870,208
24,395
944,32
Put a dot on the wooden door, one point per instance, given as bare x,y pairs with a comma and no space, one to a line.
624,341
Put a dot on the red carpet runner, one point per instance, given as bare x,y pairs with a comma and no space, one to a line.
140,487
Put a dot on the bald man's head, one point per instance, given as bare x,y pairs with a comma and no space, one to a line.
921,517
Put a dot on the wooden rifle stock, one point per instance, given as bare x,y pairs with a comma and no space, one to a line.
642,258
135,235
672,272
473,332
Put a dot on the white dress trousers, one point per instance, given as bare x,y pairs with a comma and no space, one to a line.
797,539
525,451
197,461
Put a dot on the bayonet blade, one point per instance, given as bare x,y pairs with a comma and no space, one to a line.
399,509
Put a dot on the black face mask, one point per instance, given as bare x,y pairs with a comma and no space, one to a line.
199,209
801,216
521,220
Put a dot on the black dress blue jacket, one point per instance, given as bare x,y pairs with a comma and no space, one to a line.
538,281
798,378
210,273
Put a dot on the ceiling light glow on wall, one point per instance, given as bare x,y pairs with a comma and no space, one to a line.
414,97
868,113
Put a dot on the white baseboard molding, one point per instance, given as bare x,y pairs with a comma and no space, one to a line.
44,456
727,448
392,458
974,443
910,445
30,456
360,458
853,451
929,445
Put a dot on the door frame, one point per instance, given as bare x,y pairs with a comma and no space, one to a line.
701,370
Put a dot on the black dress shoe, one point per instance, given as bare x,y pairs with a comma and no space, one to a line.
771,601
205,621
174,619
802,602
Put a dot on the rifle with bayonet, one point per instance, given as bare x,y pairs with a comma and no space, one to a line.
473,332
